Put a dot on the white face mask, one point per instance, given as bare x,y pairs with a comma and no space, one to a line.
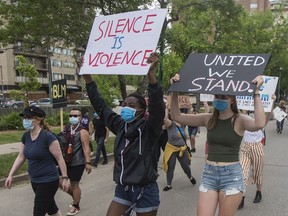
73,120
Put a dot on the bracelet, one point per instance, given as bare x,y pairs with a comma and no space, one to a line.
88,163
65,177
256,95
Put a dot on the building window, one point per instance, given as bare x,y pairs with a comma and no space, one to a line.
56,63
57,76
56,50
68,52
68,64
254,6
69,77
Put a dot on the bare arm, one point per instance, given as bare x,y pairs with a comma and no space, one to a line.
260,119
107,135
167,121
86,149
16,165
153,59
55,150
185,119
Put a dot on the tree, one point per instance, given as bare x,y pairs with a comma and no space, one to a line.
29,72
46,23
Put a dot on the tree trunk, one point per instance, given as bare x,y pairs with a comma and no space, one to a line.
122,82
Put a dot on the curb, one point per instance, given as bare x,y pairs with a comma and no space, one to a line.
25,177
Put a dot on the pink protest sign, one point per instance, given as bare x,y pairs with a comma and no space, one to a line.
121,43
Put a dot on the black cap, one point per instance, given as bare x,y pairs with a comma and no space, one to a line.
33,111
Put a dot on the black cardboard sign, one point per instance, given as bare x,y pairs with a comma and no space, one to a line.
59,93
229,74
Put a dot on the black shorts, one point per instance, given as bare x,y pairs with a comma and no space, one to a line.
75,172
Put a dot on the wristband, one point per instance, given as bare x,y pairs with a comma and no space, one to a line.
256,95
88,163
65,177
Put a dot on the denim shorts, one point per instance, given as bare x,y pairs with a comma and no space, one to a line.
192,130
228,179
144,198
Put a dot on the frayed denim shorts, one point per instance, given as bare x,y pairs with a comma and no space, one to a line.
228,179
139,198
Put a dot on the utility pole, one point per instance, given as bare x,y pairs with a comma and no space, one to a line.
2,81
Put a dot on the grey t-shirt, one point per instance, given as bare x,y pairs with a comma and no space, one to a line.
174,136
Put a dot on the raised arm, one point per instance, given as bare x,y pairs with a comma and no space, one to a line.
259,120
185,119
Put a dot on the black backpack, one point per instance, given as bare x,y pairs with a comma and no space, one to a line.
65,138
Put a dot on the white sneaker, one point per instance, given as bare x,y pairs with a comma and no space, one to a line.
92,154
73,211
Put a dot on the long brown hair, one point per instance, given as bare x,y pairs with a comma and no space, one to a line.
43,124
212,121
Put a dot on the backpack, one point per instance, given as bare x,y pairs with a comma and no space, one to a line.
65,138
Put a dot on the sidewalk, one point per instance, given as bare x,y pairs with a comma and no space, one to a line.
9,148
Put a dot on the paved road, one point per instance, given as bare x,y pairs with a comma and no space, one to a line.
98,187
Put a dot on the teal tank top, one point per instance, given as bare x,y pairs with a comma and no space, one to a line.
223,142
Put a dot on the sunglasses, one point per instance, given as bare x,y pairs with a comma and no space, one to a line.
74,116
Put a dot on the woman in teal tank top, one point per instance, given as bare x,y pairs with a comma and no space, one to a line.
222,179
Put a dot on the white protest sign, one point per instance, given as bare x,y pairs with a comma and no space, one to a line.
279,114
266,91
206,97
121,43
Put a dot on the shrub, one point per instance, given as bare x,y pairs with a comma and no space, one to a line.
11,121
55,119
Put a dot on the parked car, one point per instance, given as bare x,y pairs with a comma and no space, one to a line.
8,102
41,101
83,102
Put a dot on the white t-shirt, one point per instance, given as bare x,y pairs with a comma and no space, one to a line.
253,137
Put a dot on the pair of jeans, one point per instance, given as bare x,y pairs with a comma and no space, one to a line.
280,125
100,148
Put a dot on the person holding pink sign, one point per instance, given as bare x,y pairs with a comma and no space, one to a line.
222,181
136,146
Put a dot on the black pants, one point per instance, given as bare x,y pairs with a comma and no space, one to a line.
44,198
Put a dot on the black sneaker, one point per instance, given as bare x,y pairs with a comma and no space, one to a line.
167,188
104,162
94,164
193,180
258,197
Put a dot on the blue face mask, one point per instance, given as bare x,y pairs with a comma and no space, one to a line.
220,105
96,115
27,124
128,114
73,120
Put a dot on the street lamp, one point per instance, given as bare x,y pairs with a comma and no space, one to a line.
279,83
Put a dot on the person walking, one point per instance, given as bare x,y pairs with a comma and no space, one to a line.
78,137
222,181
41,148
101,134
136,146
192,132
280,124
176,148
252,156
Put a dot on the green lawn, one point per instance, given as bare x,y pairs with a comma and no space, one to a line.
13,136
6,161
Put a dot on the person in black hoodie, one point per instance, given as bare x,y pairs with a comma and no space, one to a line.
135,147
